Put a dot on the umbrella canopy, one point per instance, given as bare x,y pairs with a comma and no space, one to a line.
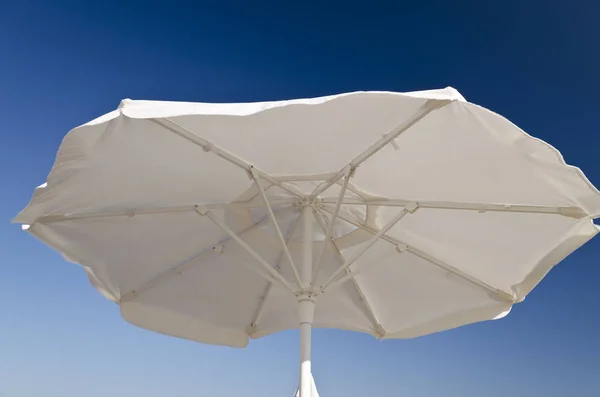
393,214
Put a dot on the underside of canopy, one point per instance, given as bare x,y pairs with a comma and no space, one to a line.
430,213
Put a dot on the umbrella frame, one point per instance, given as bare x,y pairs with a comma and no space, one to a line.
311,207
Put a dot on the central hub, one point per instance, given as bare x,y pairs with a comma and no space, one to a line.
307,201
295,193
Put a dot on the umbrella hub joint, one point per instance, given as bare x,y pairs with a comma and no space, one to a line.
308,201
308,294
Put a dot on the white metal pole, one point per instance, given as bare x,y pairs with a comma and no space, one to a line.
306,305
307,220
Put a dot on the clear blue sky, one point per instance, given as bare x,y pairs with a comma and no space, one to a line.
64,63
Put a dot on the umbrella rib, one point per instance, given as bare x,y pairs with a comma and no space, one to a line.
573,212
378,235
157,210
377,327
265,200
428,107
332,180
329,230
503,295
273,273
352,189
208,146
269,286
161,277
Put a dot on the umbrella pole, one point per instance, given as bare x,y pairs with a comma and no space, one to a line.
306,305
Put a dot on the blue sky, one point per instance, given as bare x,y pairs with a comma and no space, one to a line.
66,62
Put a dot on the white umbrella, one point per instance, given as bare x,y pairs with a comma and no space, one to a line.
397,215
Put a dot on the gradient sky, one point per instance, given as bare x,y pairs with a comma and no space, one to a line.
64,63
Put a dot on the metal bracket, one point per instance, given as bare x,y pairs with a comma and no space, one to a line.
401,248
201,210
412,207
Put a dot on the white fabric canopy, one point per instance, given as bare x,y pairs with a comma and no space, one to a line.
147,198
